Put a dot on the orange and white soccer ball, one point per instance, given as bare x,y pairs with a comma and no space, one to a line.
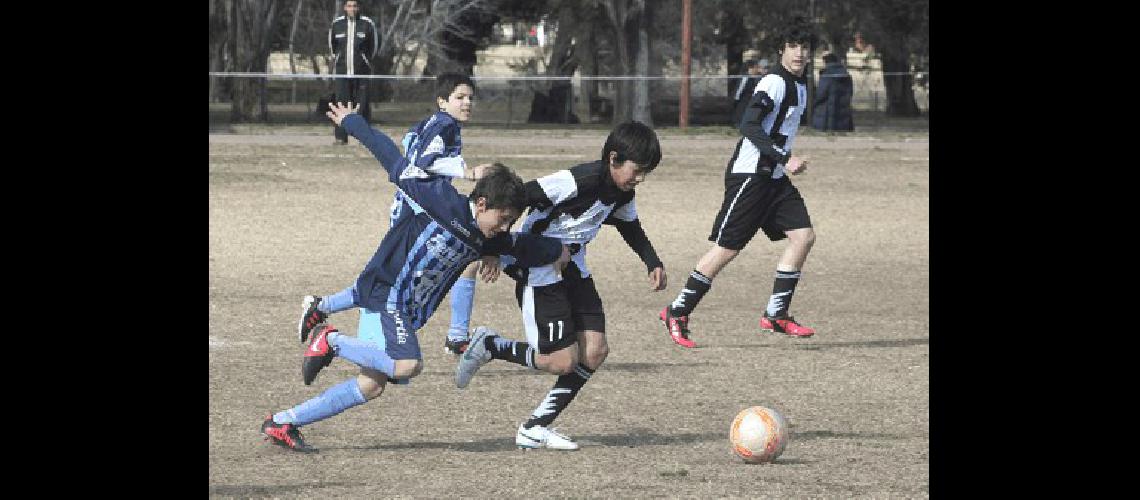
759,434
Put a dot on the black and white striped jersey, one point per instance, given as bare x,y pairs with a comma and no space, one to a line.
769,125
572,205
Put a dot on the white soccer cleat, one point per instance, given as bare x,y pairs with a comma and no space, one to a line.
473,358
542,437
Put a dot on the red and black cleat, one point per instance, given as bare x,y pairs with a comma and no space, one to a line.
786,325
310,316
678,328
318,355
286,435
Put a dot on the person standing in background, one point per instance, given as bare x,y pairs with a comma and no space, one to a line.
353,42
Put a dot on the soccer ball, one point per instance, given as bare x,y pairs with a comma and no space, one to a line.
759,434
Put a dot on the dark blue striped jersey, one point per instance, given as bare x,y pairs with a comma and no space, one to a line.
423,254
434,146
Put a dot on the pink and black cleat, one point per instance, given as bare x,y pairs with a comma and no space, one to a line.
678,328
786,325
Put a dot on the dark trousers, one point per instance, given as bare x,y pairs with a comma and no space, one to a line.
353,90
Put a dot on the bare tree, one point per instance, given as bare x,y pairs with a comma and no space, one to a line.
641,111
251,25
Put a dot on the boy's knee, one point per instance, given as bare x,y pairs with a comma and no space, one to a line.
371,383
407,368
803,237
562,362
596,355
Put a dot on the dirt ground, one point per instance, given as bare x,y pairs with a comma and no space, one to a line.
292,214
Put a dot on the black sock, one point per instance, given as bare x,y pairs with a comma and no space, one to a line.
515,351
559,397
782,291
695,288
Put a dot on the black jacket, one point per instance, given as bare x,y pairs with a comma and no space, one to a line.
833,99
352,55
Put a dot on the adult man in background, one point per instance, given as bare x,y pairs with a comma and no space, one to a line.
353,41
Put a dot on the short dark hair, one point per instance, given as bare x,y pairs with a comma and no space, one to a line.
830,58
636,142
501,187
445,84
799,29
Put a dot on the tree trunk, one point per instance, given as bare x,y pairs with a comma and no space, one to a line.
732,35
555,105
641,108
899,87
252,29
292,38
618,14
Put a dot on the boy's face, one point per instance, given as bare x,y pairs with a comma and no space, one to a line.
794,57
492,221
351,8
459,103
627,175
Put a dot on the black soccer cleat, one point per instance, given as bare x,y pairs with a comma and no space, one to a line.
318,355
310,316
286,435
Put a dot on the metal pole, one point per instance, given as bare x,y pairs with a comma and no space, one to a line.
686,50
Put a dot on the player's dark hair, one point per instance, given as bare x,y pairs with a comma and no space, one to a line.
633,141
501,187
798,30
830,58
445,84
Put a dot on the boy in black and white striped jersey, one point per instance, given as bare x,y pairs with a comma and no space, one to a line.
758,194
562,313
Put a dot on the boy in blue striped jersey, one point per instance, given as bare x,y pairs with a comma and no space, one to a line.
417,262
434,146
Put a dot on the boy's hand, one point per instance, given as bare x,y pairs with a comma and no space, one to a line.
339,111
796,165
657,279
490,268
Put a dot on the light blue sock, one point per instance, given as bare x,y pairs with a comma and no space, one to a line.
462,298
338,302
363,353
336,399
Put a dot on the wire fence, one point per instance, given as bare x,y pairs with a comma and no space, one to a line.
520,100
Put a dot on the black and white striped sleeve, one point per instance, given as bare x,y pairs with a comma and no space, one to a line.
545,192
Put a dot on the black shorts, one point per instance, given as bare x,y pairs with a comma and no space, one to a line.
752,203
554,314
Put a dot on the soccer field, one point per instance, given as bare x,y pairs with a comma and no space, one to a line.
292,214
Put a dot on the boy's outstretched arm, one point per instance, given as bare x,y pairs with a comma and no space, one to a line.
380,145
